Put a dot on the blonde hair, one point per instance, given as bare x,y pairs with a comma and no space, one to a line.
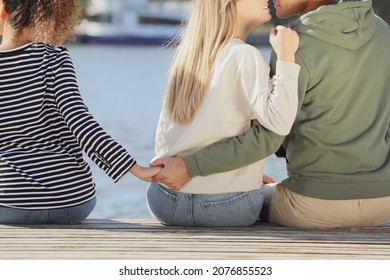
211,25
49,21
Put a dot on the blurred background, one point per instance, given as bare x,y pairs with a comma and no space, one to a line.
155,21
381,7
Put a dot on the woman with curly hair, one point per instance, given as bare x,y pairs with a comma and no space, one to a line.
44,124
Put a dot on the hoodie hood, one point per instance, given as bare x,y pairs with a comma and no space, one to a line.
348,24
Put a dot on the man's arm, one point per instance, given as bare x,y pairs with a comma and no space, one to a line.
256,144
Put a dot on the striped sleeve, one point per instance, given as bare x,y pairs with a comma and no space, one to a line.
110,156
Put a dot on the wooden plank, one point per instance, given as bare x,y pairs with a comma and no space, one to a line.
147,239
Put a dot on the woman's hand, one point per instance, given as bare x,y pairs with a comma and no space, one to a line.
144,173
285,43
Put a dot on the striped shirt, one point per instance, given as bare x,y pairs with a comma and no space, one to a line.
44,128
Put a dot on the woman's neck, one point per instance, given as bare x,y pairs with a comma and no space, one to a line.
242,35
243,30
9,35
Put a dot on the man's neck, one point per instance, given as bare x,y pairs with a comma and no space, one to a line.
313,5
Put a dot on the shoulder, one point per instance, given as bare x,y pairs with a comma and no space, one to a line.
58,57
54,52
243,50
244,54
382,23
50,49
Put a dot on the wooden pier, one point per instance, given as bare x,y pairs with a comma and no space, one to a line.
147,240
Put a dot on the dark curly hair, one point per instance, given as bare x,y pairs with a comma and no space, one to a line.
50,21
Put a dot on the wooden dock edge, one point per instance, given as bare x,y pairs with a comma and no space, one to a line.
131,239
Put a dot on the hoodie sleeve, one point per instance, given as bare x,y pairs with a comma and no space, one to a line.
256,144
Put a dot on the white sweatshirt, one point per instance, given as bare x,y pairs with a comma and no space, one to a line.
240,90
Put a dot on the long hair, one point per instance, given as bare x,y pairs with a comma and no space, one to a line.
49,21
211,25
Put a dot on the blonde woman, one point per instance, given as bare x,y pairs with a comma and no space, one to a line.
217,85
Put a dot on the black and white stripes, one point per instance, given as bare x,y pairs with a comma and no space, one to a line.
44,126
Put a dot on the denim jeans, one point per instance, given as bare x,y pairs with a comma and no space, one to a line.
205,210
70,215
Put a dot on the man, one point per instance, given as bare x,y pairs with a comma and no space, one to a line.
338,151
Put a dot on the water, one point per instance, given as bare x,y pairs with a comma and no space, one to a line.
122,87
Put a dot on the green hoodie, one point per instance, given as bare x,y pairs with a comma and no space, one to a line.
339,146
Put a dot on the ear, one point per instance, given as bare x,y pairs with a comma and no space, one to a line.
3,12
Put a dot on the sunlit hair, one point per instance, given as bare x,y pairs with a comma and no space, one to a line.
49,21
211,25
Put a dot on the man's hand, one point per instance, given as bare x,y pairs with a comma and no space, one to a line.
174,172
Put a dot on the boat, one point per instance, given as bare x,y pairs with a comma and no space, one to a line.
139,22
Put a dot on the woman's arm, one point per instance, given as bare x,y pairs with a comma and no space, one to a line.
110,156
274,101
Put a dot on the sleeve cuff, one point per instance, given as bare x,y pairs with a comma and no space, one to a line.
286,68
125,171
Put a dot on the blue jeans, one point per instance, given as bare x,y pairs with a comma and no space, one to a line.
204,210
70,215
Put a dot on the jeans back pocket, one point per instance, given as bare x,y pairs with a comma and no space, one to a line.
242,209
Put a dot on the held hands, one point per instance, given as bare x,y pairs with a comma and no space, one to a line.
170,171
285,42
144,173
174,172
